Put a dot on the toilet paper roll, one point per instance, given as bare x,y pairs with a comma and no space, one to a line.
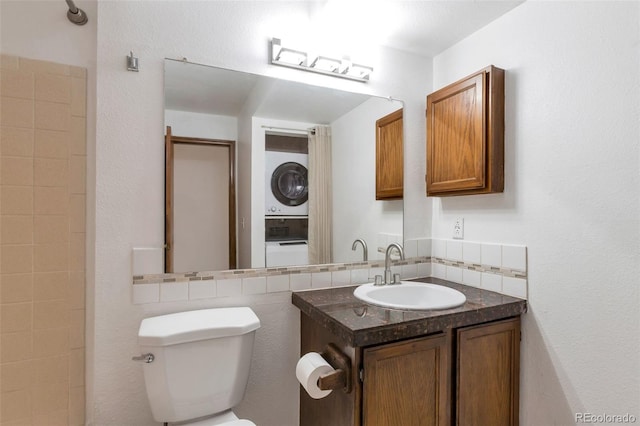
310,367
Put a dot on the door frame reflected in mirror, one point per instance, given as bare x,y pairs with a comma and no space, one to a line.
170,142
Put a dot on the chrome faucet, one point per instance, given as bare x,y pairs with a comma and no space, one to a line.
387,261
365,254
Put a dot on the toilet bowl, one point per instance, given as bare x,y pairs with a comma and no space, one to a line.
197,364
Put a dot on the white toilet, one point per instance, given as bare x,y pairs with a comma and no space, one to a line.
197,364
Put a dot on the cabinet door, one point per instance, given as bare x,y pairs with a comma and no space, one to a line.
389,157
465,135
407,383
488,374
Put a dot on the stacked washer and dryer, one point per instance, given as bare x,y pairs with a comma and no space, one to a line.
286,200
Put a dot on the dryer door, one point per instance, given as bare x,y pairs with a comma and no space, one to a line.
289,184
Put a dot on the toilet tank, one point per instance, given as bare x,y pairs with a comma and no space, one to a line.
201,361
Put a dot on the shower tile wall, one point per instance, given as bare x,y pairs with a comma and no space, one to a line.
42,242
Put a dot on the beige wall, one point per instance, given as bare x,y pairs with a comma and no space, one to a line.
42,242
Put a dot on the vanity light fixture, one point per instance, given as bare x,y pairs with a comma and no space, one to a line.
359,71
297,59
285,56
326,64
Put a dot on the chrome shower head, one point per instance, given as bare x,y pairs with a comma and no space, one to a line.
76,15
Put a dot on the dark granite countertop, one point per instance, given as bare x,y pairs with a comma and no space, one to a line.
360,324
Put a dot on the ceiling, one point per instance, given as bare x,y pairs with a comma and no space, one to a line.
427,27
421,27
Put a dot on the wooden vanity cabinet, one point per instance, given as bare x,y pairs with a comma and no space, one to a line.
389,157
407,383
487,374
465,376
338,408
465,136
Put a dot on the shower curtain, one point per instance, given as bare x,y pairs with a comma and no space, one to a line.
320,196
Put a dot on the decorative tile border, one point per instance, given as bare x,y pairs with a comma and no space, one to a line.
505,272
494,267
267,272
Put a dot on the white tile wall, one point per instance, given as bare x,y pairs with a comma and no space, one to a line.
300,282
254,285
491,254
320,279
514,257
146,293
492,282
454,274
424,269
516,287
174,292
424,247
410,248
454,250
276,283
472,278
360,276
409,271
439,248
340,278
202,289
507,257
471,253
439,271
145,261
229,288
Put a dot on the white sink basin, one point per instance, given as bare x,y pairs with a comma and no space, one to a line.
410,296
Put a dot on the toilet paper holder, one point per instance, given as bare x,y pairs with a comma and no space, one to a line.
341,377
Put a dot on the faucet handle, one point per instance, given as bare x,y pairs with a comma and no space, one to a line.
378,280
396,279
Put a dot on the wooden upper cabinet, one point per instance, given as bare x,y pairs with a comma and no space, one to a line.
389,159
465,136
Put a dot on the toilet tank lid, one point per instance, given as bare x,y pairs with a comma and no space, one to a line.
191,326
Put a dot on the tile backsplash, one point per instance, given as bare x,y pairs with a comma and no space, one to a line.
495,267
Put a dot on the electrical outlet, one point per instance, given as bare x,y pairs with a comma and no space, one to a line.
458,228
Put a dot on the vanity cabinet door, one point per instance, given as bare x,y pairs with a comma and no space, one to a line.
465,136
488,369
407,383
389,158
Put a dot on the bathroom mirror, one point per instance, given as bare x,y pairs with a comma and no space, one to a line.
270,122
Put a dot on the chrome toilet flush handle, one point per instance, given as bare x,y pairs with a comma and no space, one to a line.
148,358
